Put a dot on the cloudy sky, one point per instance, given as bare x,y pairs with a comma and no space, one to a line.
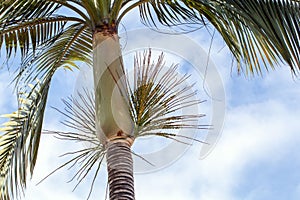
256,157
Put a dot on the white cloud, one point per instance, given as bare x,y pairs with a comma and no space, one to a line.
254,135
261,134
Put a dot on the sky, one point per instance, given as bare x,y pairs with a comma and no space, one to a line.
255,158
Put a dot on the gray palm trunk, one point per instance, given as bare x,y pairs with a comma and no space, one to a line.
120,171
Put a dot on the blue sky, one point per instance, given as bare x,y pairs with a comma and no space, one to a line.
256,157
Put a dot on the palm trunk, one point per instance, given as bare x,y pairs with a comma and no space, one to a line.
120,171
113,121
112,113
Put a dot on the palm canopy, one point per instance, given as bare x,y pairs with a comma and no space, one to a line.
259,33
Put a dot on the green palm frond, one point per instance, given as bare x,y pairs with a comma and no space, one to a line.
156,96
169,12
18,10
32,34
259,33
94,10
72,46
20,140
33,25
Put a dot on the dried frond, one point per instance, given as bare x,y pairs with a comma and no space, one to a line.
83,160
80,116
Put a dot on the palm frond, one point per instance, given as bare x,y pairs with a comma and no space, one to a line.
31,34
80,116
28,25
168,13
71,47
116,8
22,10
259,33
157,95
95,11
19,142
80,113
84,160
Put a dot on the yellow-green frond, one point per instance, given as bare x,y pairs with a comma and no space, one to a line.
19,142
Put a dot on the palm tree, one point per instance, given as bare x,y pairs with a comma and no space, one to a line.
259,33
